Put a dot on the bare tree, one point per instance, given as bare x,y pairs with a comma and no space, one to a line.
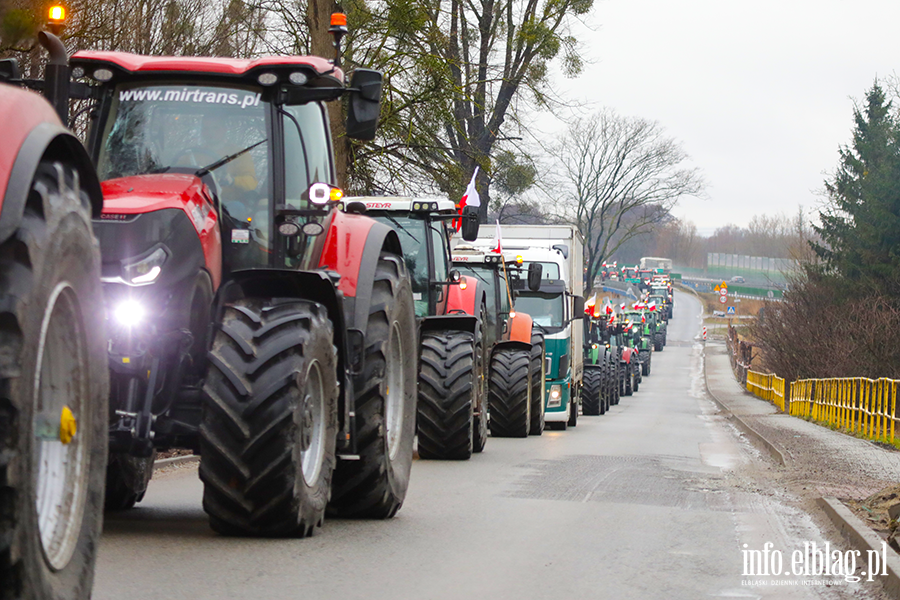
623,175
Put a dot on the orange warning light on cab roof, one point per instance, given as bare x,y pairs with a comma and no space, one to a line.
338,20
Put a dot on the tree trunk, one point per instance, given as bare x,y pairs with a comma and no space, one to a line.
318,19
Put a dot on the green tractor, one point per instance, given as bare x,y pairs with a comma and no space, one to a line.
644,336
601,381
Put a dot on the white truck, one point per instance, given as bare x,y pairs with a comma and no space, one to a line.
556,308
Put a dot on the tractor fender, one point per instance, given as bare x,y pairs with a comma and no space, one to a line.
512,345
465,297
455,322
626,354
38,135
352,248
308,285
519,328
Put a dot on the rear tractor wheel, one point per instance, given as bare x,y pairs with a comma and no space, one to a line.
375,485
446,395
508,393
54,393
538,365
267,433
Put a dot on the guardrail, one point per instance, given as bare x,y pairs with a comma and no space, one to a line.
864,407
859,405
767,386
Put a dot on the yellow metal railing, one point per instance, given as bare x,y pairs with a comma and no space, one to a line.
859,405
767,386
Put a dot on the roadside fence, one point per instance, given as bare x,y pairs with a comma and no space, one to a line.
859,405
865,407
767,386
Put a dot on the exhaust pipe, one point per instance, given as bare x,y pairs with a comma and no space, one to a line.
56,75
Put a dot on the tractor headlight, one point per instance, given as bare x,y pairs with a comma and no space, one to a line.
129,313
555,395
146,270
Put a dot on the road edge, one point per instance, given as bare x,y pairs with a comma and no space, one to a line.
773,450
175,460
862,538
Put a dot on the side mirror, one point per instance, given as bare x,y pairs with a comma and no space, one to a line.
470,223
577,303
9,69
562,249
364,106
535,272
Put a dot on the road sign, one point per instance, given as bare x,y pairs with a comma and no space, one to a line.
723,292
723,299
704,333
770,294
730,310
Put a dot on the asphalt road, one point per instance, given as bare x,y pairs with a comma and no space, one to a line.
653,500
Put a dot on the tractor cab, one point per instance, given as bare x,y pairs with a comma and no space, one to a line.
424,226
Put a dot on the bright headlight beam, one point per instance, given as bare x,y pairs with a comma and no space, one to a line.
148,277
129,313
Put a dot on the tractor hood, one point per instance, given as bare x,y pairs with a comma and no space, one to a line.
147,193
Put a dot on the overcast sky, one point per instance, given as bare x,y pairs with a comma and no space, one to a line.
759,93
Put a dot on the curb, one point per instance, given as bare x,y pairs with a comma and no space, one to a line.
777,455
175,460
862,538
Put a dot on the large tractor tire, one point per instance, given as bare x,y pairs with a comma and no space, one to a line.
636,366
54,391
538,366
508,396
615,382
628,383
658,342
267,435
645,363
127,478
480,415
591,401
446,392
375,485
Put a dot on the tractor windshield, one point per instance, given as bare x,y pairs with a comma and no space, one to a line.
547,310
168,128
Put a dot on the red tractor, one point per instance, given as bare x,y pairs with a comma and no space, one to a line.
53,374
248,320
514,343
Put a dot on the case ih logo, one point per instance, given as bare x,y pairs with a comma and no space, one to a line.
115,217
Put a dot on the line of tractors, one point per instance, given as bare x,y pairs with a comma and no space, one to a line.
620,343
190,277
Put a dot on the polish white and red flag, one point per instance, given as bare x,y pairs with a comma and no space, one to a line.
470,198
499,247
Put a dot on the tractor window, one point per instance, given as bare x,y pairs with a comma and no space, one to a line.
439,245
307,152
485,276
